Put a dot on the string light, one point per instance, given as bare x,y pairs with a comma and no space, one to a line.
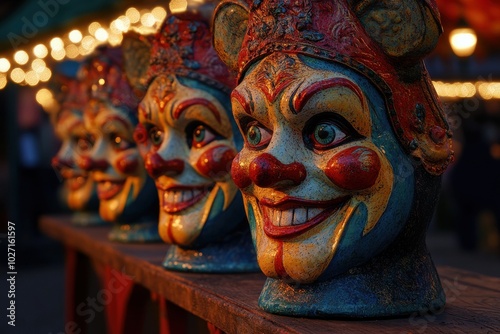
38,65
17,75
21,57
456,90
101,34
58,54
56,44
148,20
40,51
133,15
45,75
31,78
93,27
75,36
4,65
3,81
159,13
72,51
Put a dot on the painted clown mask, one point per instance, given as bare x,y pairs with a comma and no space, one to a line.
318,170
186,137
114,161
79,188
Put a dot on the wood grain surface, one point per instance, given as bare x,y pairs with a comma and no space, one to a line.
229,301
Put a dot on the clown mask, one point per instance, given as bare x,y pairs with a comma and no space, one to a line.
114,160
317,170
186,138
78,185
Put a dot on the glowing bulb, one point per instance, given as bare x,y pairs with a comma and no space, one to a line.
115,40
17,75
40,51
101,34
3,81
38,65
56,44
72,51
133,15
45,75
159,13
88,43
178,6
4,65
58,54
93,27
21,57
75,36
122,23
463,41
31,78
148,20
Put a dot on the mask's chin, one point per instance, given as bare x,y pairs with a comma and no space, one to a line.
300,253
80,190
205,222
113,207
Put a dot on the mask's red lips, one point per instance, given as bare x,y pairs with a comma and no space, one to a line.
291,216
107,189
76,182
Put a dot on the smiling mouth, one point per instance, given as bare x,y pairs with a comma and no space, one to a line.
107,189
291,217
180,198
76,182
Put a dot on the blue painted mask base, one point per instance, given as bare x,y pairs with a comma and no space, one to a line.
382,288
234,254
83,219
135,233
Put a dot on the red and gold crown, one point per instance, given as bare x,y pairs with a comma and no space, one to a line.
383,40
104,75
183,46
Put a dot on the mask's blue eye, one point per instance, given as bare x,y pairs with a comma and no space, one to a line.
327,133
257,136
324,131
202,136
156,136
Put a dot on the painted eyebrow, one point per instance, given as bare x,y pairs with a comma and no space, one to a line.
298,101
248,106
115,118
188,103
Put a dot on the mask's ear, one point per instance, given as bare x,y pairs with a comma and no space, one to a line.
229,29
408,29
136,52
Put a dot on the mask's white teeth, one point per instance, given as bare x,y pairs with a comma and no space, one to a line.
292,217
170,197
286,218
299,216
177,196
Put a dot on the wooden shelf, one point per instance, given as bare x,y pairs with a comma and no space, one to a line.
230,301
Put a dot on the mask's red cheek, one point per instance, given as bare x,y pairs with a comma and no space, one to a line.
355,168
216,162
240,174
127,163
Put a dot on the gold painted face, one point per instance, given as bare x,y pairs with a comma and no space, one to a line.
78,186
186,139
309,167
114,160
